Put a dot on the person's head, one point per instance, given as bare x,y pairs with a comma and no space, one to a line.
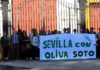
99,29
68,30
49,32
24,33
64,30
15,32
4,33
59,32
19,30
91,29
75,31
34,31
42,32
55,31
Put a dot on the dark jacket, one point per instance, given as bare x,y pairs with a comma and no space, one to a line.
4,41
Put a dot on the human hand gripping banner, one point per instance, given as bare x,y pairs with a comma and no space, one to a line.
67,46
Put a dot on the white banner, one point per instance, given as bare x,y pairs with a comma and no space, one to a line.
67,46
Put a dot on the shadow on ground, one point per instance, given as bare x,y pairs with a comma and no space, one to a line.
3,67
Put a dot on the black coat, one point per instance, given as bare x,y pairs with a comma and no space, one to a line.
4,41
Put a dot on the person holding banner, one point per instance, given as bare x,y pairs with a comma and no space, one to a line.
34,40
97,46
36,45
99,34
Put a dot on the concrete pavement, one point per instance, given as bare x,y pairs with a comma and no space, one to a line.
54,65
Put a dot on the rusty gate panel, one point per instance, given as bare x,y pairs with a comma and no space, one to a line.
95,16
47,14
28,14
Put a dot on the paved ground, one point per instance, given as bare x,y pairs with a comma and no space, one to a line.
50,65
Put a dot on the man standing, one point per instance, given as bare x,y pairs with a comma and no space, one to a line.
15,45
5,44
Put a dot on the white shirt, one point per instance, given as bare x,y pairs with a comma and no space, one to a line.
35,41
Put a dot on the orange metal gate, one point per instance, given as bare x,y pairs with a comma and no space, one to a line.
47,14
28,14
95,16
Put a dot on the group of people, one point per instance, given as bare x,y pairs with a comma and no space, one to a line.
21,46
